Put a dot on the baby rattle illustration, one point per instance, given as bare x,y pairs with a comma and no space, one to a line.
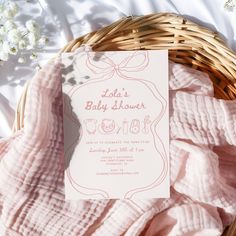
134,126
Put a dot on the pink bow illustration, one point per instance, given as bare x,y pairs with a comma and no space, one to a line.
99,63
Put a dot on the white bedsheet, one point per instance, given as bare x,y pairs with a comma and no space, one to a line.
64,20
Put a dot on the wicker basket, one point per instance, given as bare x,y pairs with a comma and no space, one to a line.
187,42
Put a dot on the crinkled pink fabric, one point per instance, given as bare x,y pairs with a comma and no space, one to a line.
202,159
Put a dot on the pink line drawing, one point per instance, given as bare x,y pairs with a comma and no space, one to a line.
108,70
146,123
90,125
108,126
135,126
125,127
79,188
156,138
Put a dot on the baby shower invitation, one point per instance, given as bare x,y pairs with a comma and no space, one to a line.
116,124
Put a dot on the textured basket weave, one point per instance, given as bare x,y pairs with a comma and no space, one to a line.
187,42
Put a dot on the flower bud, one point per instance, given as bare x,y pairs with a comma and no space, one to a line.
13,50
22,44
2,30
32,26
21,60
9,25
33,56
8,13
14,36
43,41
13,7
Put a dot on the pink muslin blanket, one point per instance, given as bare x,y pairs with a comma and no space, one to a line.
202,159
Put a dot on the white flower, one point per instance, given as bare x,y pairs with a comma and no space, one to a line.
10,10
1,8
32,26
3,56
9,25
13,50
230,5
23,30
5,47
33,56
21,60
2,30
13,7
32,40
8,13
38,67
1,17
22,44
43,41
9,48
14,36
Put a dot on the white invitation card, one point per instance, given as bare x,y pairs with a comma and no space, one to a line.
116,124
